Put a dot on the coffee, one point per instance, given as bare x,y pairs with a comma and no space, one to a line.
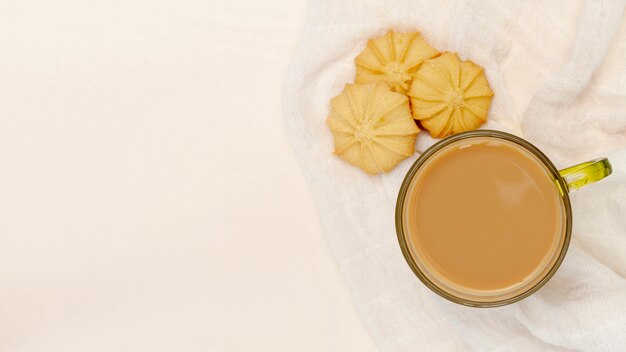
484,215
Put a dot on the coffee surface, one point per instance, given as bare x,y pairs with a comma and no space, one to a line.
484,214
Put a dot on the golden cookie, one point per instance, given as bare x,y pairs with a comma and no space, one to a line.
450,96
393,59
372,127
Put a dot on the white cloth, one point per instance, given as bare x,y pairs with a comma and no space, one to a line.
557,70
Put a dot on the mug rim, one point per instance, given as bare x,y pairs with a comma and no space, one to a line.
554,172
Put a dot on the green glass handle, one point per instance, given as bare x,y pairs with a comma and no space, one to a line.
580,175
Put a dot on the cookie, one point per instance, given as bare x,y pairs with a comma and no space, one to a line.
393,59
449,96
372,127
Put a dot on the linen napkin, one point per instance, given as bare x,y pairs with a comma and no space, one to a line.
557,70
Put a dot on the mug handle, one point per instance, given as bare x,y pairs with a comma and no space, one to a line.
580,175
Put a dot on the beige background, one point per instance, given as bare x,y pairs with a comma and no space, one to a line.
149,200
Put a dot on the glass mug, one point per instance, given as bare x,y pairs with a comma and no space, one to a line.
434,275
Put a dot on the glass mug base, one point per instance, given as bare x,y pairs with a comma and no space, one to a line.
483,218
